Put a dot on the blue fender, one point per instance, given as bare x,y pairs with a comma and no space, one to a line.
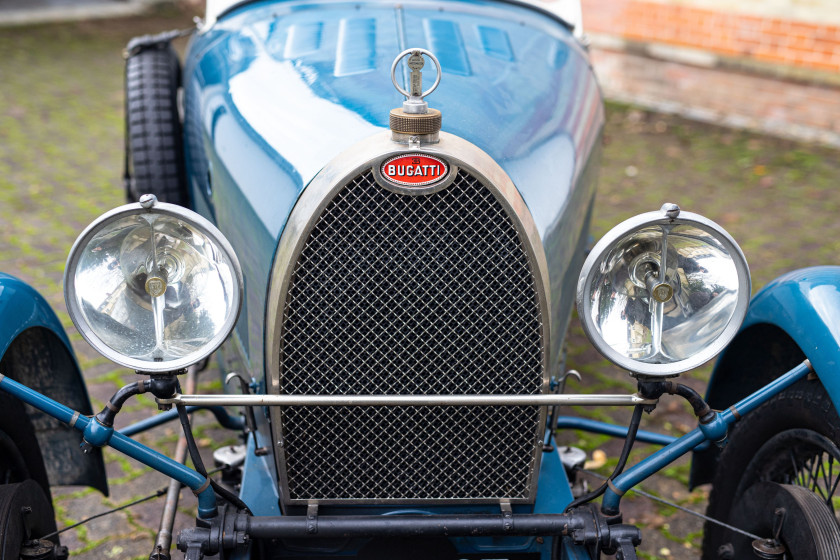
35,350
23,308
794,317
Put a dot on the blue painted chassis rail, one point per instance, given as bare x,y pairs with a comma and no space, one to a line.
713,431
222,417
716,430
597,427
99,435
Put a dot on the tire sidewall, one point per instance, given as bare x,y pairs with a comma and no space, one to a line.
15,423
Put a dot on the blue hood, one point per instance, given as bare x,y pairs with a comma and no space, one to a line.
275,90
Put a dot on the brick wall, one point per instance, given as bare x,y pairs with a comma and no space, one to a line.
766,65
767,35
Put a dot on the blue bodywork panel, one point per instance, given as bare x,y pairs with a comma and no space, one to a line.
275,90
35,350
806,305
259,477
795,316
23,308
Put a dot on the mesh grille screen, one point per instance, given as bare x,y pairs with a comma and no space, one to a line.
396,294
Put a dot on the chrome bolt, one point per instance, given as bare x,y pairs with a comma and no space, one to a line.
148,200
671,210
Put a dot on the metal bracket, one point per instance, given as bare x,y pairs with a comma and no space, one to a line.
507,516
571,373
626,550
250,418
159,41
312,519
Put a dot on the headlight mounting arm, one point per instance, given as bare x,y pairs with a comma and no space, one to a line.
655,389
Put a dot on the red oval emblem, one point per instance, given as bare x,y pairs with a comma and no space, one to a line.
414,170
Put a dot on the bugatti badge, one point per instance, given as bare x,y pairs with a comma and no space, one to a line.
414,170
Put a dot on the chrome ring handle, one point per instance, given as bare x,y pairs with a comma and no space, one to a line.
401,56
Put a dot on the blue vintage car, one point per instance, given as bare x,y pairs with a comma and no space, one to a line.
378,213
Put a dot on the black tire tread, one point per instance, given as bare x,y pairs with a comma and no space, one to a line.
826,540
154,136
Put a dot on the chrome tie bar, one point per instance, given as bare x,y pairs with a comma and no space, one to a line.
408,400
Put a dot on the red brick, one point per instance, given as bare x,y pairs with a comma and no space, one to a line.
799,42
748,43
828,32
769,39
778,36
728,51
772,57
831,66
749,23
765,51
803,28
825,50
818,57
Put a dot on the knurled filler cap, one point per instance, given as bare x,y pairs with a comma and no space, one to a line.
415,123
415,118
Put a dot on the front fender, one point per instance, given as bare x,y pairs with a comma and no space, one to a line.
806,305
794,317
35,350
22,308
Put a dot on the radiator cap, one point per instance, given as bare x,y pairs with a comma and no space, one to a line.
414,122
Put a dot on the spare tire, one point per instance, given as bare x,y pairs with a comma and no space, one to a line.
153,134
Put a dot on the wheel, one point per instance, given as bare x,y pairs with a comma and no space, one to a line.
20,454
23,480
25,514
25,508
783,454
154,140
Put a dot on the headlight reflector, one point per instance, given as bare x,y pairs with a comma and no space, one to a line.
154,289
663,292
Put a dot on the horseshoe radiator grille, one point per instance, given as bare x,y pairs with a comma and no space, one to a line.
400,294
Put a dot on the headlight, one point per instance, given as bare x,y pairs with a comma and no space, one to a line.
153,286
663,292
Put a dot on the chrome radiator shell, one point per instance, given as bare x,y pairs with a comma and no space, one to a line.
362,161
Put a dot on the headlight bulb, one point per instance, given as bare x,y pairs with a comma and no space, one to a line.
645,272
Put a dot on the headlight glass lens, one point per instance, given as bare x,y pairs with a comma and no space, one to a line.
153,291
700,293
660,296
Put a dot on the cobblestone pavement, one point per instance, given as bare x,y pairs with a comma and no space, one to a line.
60,159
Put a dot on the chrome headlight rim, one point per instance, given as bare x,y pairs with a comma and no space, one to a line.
195,220
635,224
